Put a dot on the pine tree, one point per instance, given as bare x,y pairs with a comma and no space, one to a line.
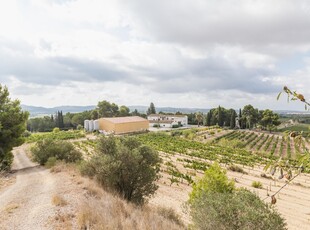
12,125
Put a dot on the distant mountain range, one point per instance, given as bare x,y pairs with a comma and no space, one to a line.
36,111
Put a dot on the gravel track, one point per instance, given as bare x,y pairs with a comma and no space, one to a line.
27,203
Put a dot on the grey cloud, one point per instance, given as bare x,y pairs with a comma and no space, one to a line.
236,22
210,74
28,68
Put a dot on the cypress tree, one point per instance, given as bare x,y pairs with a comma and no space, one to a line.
208,119
233,119
220,116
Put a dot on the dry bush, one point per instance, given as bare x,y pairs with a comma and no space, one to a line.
10,208
58,201
61,166
236,168
64,221
170,214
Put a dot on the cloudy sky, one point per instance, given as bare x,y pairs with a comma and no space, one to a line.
179,53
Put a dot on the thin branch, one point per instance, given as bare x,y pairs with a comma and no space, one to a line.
283,186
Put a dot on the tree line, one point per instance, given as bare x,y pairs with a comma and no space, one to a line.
248,118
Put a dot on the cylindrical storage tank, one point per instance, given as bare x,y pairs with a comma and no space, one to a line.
96,125
91,126
86,125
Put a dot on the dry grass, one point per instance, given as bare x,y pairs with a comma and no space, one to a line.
10,208
110,212
59,201
100,209
104,210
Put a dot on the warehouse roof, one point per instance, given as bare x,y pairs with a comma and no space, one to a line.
118,120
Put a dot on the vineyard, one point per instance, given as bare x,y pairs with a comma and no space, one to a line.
267,144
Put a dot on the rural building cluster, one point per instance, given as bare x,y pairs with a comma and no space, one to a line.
131,124
167,121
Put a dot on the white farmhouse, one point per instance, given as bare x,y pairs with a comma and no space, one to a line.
167,121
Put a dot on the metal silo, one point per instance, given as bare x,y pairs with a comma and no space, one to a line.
96,125
91,125
86,125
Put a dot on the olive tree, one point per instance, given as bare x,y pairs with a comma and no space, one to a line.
126,166
12,125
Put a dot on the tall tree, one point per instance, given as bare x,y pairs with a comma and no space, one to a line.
269,120
240,120
208,119
12,125
151,109
250,116
107,109
199,118
61,120
233,119
220,116
124,111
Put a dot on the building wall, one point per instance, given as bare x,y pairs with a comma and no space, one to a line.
119,128
178,119
131,127
106,125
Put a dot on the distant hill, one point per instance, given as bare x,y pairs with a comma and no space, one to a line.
36,111
143,109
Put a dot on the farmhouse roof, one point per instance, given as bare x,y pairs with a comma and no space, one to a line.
118,120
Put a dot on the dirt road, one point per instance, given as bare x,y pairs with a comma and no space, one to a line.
27,203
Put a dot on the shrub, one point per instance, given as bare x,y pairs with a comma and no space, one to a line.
257,184
56,130
61,150
241,209
79,127
215,204
125,166
50,162
26,133
214,180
